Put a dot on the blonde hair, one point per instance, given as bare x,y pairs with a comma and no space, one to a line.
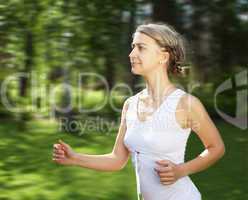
170,40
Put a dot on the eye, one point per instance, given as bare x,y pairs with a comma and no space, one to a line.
141,48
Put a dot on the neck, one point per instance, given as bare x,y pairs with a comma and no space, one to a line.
158,84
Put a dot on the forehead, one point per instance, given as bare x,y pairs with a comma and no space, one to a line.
143,38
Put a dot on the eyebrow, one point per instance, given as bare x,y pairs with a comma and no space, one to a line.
133,44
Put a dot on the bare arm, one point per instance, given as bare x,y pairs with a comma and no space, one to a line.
203,126
199,121
113,161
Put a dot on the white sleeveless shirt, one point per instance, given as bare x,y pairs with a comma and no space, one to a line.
160,137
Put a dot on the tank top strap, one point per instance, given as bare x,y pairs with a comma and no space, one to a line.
132,104
173,100
132,101
170,109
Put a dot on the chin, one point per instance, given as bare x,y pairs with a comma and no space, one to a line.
135,71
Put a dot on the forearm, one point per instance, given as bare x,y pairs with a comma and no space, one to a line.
207,158
104,162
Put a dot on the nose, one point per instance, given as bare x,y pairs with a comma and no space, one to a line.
132,53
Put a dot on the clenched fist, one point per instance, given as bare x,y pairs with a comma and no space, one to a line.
63,154
168,172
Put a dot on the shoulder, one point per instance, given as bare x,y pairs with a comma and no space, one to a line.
130,100
189,100
126,104
191,104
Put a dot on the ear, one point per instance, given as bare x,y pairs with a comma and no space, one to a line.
164,57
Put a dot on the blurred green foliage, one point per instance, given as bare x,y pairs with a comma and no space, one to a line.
27,171
45,45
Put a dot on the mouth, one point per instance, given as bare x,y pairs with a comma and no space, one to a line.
134,65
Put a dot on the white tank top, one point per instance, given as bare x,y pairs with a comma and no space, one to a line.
159,137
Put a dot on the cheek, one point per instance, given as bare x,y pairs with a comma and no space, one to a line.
149,61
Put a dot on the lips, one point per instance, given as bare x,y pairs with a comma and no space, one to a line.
135,64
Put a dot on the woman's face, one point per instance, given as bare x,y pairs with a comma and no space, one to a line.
146,54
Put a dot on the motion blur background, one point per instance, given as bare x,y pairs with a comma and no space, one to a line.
59,57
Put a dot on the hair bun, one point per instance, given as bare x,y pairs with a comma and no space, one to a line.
180,68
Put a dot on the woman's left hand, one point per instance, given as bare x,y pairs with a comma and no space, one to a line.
168,172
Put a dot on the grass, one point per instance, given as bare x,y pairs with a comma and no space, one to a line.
228,178
27,172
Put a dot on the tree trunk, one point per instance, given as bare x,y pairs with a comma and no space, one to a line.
201,37
109,70
166,11
29,53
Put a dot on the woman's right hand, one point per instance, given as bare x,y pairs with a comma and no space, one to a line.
63,154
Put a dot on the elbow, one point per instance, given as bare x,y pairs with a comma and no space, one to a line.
116,168
123,166
221,150
120,166
117,165
119,162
